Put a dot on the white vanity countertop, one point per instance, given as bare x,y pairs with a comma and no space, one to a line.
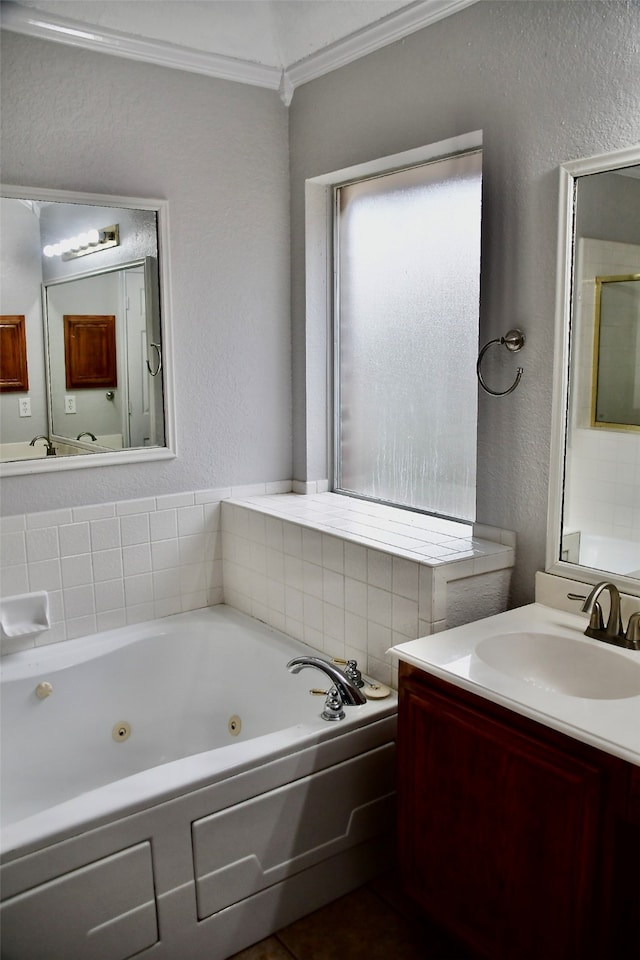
458,656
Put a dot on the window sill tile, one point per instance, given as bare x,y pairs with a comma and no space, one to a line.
431,541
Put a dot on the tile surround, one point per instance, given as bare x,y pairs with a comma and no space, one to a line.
349,578
304,565
113,564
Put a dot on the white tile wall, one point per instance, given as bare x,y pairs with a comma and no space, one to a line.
347,592
299,563
112,564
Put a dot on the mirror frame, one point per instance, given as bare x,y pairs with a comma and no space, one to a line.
569,173
13,468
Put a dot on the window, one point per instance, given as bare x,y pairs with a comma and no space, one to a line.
407,290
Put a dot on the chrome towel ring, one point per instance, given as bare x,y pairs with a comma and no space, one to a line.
513,341
154,373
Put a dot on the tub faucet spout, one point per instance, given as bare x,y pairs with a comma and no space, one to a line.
349,694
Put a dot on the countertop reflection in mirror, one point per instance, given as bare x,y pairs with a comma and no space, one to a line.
594,504
89,274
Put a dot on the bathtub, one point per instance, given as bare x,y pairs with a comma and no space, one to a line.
610,553
170,791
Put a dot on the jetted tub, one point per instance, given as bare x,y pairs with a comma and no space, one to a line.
170,791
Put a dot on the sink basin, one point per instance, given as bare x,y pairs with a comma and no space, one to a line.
563,665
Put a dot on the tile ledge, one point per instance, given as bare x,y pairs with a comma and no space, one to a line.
480,542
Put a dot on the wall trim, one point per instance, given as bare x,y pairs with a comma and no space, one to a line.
369,39
49,26
46,26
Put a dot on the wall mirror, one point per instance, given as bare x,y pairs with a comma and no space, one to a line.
594,506
86,274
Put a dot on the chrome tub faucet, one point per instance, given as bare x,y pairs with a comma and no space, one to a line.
343,693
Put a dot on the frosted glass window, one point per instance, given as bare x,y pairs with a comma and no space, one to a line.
408,290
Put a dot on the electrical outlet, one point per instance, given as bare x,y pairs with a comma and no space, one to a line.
69,403
24,406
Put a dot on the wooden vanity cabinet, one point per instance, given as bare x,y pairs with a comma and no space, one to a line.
518,840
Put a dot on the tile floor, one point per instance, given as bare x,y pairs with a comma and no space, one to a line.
371,923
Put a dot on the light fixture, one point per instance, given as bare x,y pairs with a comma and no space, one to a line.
83,243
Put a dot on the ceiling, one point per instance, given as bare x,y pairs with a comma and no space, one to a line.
271,43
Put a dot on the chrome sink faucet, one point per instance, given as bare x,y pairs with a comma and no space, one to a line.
614,631
51,450
344,691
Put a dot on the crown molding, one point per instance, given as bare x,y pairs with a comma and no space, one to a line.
394,27
37,23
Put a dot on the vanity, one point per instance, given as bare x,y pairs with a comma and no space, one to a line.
519,786
518,735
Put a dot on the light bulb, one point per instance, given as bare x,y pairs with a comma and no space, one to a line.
49,251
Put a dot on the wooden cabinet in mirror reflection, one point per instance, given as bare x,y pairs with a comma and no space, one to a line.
90,351
13,354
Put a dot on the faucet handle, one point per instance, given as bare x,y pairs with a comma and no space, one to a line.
633,631
354,674
351,671
596,620
333,706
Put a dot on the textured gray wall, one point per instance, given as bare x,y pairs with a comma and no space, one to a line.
547,83
217,151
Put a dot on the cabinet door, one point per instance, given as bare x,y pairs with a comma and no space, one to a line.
497,831
90,351
14,374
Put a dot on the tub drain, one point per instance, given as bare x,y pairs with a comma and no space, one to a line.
235,725
121,731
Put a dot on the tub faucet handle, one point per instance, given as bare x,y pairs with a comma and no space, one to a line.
333,706
351,670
